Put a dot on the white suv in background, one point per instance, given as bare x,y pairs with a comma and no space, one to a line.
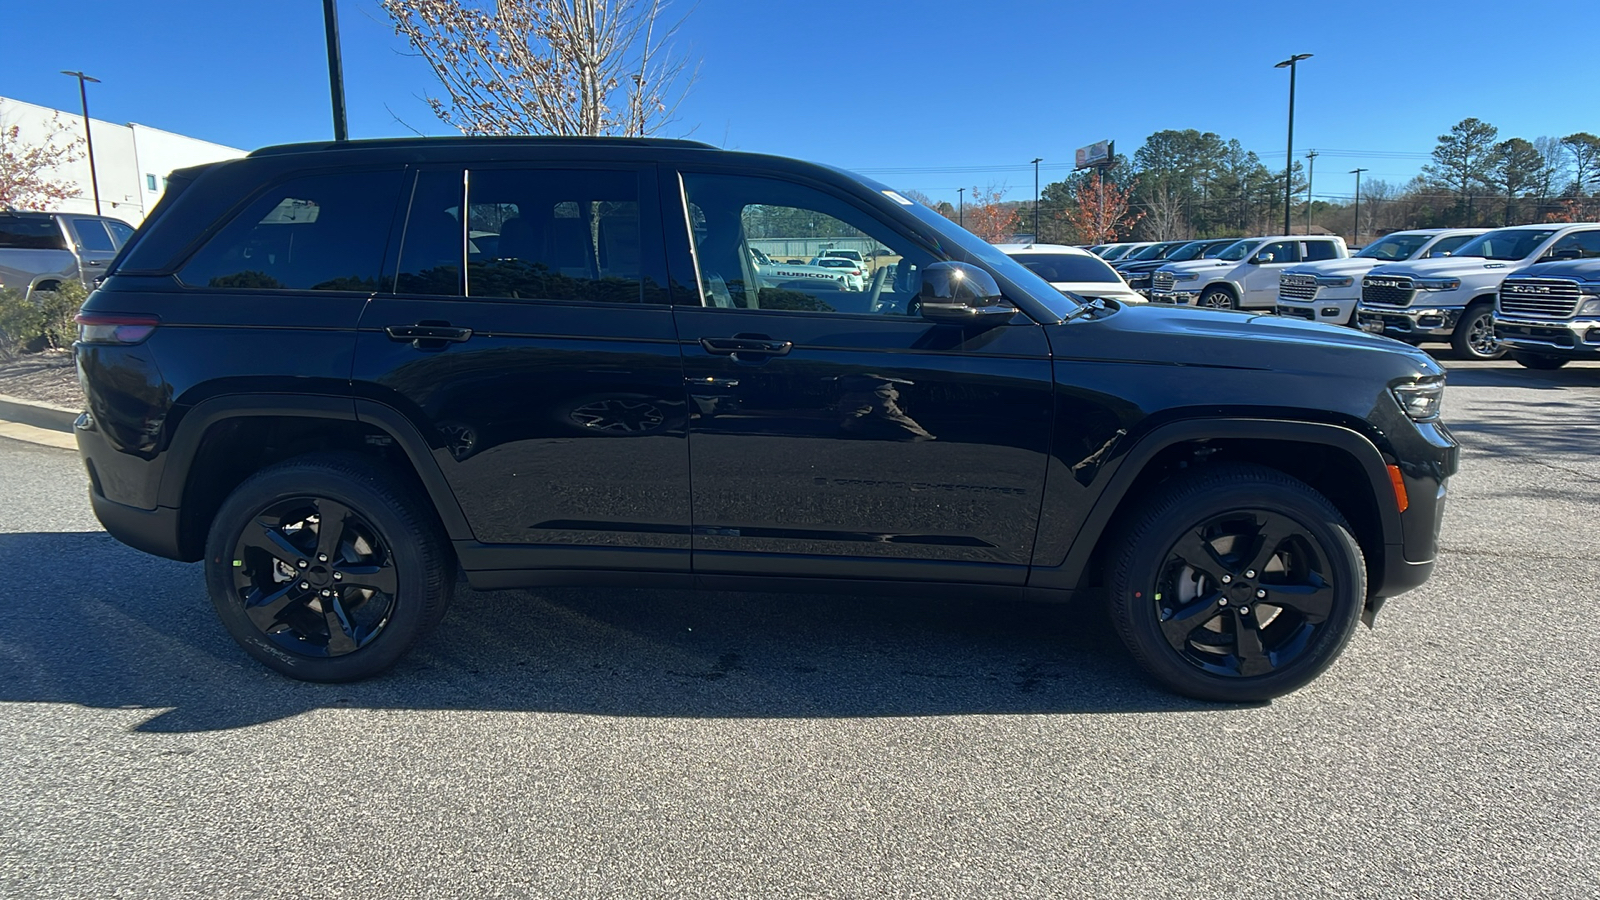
1328,291
1072,271
1244,276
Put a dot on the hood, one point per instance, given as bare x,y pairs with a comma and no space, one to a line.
1456,266
1581,269
1195,265
1347,266
1225,339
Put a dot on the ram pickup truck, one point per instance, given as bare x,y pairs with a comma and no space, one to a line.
1549,314
1244,276
40,250
1329,291
1137,274
1452,300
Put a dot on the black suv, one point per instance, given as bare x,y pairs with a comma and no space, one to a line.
341,373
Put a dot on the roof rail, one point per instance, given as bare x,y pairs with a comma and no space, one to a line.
476,141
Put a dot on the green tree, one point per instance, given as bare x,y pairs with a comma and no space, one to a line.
1463,162
1585,150
1517,164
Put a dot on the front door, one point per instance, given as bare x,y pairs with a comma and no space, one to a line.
528,336
833,432
1261,282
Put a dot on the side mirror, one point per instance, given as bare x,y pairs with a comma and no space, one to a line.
962,293
1254,260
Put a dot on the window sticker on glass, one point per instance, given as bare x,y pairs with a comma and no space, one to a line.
897,198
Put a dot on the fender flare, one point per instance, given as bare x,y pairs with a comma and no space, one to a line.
1119,481
199,420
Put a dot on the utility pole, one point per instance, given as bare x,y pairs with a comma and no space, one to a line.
1357,229
1311,175
330,22
88,136
1036,161
1288,164
961,207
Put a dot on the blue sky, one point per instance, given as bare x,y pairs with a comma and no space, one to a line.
931,95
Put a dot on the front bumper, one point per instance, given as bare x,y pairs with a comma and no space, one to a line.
1327,310
1176,297
1569,339
1411,323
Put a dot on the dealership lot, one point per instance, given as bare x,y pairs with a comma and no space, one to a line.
668,743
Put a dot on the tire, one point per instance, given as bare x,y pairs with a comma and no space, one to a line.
1217,298
388,572
1182,623
1539,360
1474,334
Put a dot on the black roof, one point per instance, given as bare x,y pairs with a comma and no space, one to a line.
481,141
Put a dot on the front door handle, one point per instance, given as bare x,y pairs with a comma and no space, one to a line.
428,335
753,346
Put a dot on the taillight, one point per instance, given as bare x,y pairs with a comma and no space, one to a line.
94,328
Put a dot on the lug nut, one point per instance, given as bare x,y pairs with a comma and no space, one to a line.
1244,610
322,557
1223,602
1250,574
339,576
302,564
1261,595
304,585
1227,579
327,593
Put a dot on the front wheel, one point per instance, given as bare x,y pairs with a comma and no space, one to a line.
1218,298
1237,583
1474,335
326,568
1538,360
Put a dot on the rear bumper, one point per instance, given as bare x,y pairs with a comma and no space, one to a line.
1569,339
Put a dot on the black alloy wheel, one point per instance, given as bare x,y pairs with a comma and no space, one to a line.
1239,584
1474,335
327,567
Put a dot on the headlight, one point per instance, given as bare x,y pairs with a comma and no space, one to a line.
1437,284
1185,276
1421,400
1335,281
1590,307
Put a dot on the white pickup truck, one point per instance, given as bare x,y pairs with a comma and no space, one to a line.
1328,291
1452,299
1244,276
775,273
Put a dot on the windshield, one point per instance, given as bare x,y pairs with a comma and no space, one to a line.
1191,250
1395,247
1117,251
1216,249
1059,267
1507,243
1153,251
956,242
1239,250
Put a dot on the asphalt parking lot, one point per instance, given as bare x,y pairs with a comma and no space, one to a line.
581,743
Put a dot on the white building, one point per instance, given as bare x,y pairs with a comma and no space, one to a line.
131,161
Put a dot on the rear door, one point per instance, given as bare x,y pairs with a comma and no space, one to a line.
835,432
527,335
95,245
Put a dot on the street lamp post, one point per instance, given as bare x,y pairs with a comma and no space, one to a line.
1036,161
330,23
961,207
88,136
1288,165
1311,176
1357,228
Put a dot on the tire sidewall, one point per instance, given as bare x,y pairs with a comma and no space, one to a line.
408,618
1139,622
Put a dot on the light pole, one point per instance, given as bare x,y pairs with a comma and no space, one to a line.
88,137
1311,175
1357,229
1288,165
330,23
1036,161
961,207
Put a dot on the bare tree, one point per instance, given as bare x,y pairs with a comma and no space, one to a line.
573,67
29,171
1165,218
1375,197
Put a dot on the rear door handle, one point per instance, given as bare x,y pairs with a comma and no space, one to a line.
730,346
428,335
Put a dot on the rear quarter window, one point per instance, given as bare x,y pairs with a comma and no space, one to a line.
312,233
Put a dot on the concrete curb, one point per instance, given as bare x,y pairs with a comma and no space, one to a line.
38,414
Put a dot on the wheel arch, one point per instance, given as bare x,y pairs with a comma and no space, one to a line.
1340,463
222,440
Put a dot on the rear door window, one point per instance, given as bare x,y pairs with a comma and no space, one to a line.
1319,250
92,235
313,233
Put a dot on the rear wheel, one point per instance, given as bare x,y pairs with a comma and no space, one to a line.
1538,360
1237,584
325,569
1474,335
